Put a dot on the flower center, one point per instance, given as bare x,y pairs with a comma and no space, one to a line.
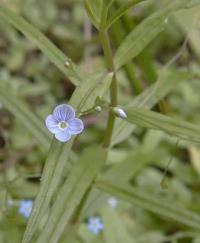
28,209
62,125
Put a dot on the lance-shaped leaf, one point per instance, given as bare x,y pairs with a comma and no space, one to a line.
146,31
42,42
71,193
155,120
147,99
122,10
152,203
86,93
30,121
93,8
55,163
83,98
106,4
134,162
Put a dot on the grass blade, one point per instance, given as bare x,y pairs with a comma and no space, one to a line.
71,193
83,98
152,204
47,47
155,120
90,11
145,32
86,93
51,177
48,171
106,4
166,82
119,12
30,121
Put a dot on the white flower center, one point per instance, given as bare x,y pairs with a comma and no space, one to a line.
28,209
95,225
62,125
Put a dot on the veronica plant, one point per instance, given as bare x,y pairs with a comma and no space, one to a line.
72,186
63,123
25,208
95,225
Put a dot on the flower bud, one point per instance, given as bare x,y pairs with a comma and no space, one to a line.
120,112
98,108
67,64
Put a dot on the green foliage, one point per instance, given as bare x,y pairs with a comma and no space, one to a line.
30,121
153,120
119,12
70,194
153,204
53,53
85,95
145,32
148,98
142,56
114,228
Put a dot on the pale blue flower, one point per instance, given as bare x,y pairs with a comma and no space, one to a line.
63,124
112,201
25,207
95,225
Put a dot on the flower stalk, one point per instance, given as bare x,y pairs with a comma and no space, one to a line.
113,88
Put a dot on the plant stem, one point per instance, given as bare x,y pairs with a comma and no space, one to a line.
113,88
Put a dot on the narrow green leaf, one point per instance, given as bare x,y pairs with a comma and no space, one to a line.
29,119
82,98
48,171
91,13
106,4
151,203
155,120
47,47
122,172
114,228
86,93
119,12
139,38
151,96
71,193
145,32
52,175
94,8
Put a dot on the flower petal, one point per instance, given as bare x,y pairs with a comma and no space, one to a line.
51,124
63,136
100,226
63,112
75,126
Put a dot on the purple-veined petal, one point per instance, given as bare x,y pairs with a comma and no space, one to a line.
63,113
51,124
75,126
63,136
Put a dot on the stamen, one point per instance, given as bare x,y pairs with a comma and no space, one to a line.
63,124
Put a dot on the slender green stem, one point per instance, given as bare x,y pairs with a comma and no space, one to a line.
77,215
113,88
107,50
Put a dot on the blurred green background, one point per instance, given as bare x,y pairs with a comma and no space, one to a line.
28,76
